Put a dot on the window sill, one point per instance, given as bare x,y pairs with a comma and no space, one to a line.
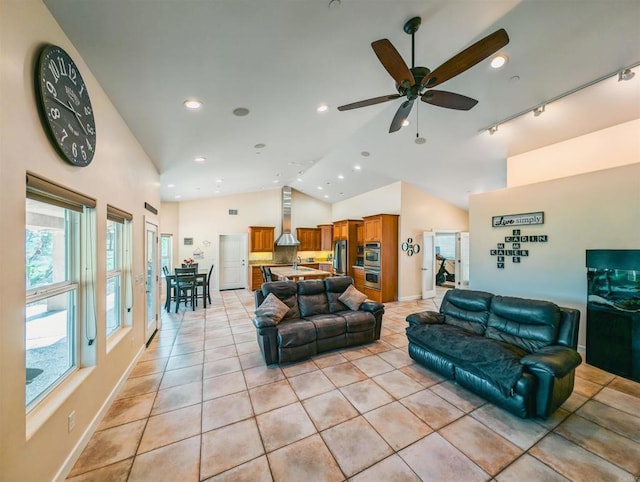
44,410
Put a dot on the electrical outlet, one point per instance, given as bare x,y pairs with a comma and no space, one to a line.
71,421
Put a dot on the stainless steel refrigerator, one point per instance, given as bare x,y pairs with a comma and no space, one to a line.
340,258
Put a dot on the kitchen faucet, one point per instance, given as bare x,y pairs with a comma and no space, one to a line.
296,262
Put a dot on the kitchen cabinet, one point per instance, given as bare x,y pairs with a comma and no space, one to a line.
372,229
309,239
358,278
326,237
255,278
383,228
340,230
261,239
360,234
328,267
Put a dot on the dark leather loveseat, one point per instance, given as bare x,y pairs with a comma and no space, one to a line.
519,354
317,320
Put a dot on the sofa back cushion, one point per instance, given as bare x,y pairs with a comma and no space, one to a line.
467,309
285,291
335,286
312,298
529,324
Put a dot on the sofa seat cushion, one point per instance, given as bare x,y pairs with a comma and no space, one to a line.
295,333
493,360
529,324
358,320
328,325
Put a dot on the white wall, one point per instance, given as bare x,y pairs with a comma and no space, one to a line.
598,210
122,175
422,212
384,200
615,146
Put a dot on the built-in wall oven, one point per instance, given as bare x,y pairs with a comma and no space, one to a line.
372,278
372,255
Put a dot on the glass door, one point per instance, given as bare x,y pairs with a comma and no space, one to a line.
152,279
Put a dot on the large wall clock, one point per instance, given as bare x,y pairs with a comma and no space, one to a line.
66,107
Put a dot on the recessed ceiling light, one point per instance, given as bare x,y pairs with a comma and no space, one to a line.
299,179
340,176
420,140
334,3
499,61
171,185
365,153
260,145
192,104
326,196
219,180
319,188
406,122
178,196
357,168
199,159
241,111
322,108
276,181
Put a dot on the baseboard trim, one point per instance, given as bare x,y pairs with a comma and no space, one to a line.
410,298
74,455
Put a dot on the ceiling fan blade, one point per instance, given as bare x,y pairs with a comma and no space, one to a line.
450,100
364,103
401,114
467,58
392,61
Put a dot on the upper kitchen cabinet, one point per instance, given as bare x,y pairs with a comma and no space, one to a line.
261,239
340,230
309,239
373,228
326,237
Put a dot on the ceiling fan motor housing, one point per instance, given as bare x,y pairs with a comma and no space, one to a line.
412,92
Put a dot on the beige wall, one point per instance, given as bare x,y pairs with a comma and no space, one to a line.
384,200
120,174
598,210
422,212
205,220
616,146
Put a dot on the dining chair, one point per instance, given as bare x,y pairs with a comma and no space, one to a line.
192,265
266,274
185,287
171,288
206,285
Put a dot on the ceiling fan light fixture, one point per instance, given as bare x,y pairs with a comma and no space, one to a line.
406,122
626,74
539,110
493,129
499,60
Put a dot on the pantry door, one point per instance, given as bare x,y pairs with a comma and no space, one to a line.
233,261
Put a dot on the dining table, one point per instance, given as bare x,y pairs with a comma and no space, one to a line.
297,273
201,277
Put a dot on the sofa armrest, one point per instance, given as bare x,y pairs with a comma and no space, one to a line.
556,360
425,318
371,306
261,322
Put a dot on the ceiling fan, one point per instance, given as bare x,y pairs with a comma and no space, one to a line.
417,82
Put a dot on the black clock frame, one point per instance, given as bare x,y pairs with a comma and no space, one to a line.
65,106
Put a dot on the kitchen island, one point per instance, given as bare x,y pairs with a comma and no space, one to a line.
300,272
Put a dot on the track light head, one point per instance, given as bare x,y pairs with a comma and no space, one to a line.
539,110
626,74
493,129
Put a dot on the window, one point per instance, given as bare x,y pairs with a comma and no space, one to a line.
59,283
166,248
118,268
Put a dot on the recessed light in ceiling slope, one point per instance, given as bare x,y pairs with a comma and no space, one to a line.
240,111
499,60
192,104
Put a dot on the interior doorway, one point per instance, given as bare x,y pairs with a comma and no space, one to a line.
152,279
233,261
445,261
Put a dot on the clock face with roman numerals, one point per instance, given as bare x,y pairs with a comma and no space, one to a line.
66,106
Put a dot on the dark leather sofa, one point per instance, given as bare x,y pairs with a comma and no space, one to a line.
520,354
317,320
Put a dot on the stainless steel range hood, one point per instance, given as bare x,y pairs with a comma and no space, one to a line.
287,238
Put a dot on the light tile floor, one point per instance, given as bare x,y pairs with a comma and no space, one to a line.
201,405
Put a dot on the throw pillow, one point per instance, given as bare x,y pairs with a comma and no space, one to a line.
352,298
273,308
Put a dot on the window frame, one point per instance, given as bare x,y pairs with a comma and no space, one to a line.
122,271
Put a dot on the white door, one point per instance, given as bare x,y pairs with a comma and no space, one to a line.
428,273
233,266
152,279
462,260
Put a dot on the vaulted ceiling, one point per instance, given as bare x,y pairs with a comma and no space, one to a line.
281,59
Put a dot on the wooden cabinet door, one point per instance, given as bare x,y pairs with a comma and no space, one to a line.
309,239
358,279
340,230
261,238
372,229
326,237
